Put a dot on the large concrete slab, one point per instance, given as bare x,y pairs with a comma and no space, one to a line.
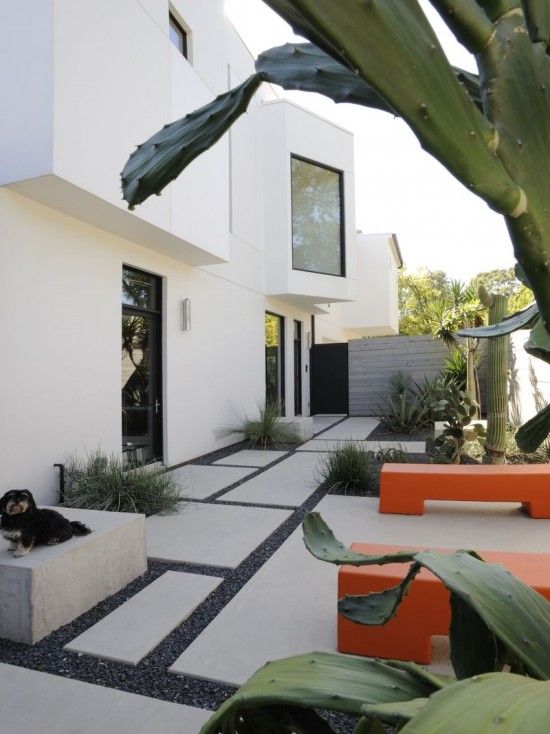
251,457
320,444
288,483
55,584
130,632
355,429
214,535
322,422
199,481
40,702
289,606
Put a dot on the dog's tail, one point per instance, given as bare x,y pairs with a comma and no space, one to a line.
79,528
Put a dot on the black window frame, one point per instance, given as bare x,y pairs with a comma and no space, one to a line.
341,189
282,332
173,21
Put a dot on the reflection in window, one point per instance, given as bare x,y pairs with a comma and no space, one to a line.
137,289
274,376
177,35
317,220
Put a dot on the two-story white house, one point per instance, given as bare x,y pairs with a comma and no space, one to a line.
209,288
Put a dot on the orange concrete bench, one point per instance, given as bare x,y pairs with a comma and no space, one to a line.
425,610
405,487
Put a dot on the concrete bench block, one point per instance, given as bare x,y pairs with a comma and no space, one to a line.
55,584
302,425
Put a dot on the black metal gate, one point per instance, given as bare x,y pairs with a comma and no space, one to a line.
329,378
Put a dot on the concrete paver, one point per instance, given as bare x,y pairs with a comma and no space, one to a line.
288,483
40,702
199,481
132,630
209,534
251,457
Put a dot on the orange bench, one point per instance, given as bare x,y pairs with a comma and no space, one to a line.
425,610
404,487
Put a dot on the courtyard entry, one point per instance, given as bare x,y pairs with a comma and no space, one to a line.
141,367
329,379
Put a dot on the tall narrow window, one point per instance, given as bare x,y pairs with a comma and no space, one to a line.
141,367
178,36
274,360
317,218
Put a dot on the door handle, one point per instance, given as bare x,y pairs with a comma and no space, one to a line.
157,406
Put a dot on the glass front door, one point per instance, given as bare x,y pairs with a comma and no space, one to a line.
141,367
274,360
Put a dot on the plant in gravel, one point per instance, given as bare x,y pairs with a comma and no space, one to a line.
351,469
455,407
406,410
500,653
100,482
266,430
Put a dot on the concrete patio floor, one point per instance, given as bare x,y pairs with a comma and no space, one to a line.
233,586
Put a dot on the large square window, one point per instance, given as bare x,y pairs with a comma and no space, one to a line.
317,218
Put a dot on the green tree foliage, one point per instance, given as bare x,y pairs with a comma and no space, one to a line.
417,290
503,282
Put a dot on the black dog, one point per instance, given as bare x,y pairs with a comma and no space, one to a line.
25,525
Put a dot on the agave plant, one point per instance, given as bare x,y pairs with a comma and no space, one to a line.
498,624
491,130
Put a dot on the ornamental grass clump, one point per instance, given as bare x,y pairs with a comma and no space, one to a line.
101,482
353,470
265,431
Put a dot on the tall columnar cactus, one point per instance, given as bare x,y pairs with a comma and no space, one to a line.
497,381
490,130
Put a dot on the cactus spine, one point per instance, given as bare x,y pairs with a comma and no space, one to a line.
497,381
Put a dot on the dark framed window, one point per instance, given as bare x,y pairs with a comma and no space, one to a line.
318,238
178,35
275,360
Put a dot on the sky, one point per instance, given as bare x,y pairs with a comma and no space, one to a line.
398,187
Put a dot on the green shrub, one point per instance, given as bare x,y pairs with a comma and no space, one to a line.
266,430
101,482
455,368
407,410
353,470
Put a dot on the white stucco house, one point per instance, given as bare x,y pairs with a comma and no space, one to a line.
256,237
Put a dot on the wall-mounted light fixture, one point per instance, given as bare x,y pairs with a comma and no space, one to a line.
186,314
309,339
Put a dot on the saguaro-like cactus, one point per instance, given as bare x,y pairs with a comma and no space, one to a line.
497,380
491,130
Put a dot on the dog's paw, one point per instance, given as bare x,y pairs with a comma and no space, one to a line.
20,552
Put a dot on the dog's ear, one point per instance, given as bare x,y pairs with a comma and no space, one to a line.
3,502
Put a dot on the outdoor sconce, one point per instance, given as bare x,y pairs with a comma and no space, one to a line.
309,339
186,314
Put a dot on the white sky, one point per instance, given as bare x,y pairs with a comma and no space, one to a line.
399,187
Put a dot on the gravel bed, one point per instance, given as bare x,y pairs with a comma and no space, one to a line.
382,434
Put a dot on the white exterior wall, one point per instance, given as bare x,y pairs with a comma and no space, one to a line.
375,310
103,76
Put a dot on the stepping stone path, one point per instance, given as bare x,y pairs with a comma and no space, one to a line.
40,702
210,534
138,625
251,457
199,482
288,483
